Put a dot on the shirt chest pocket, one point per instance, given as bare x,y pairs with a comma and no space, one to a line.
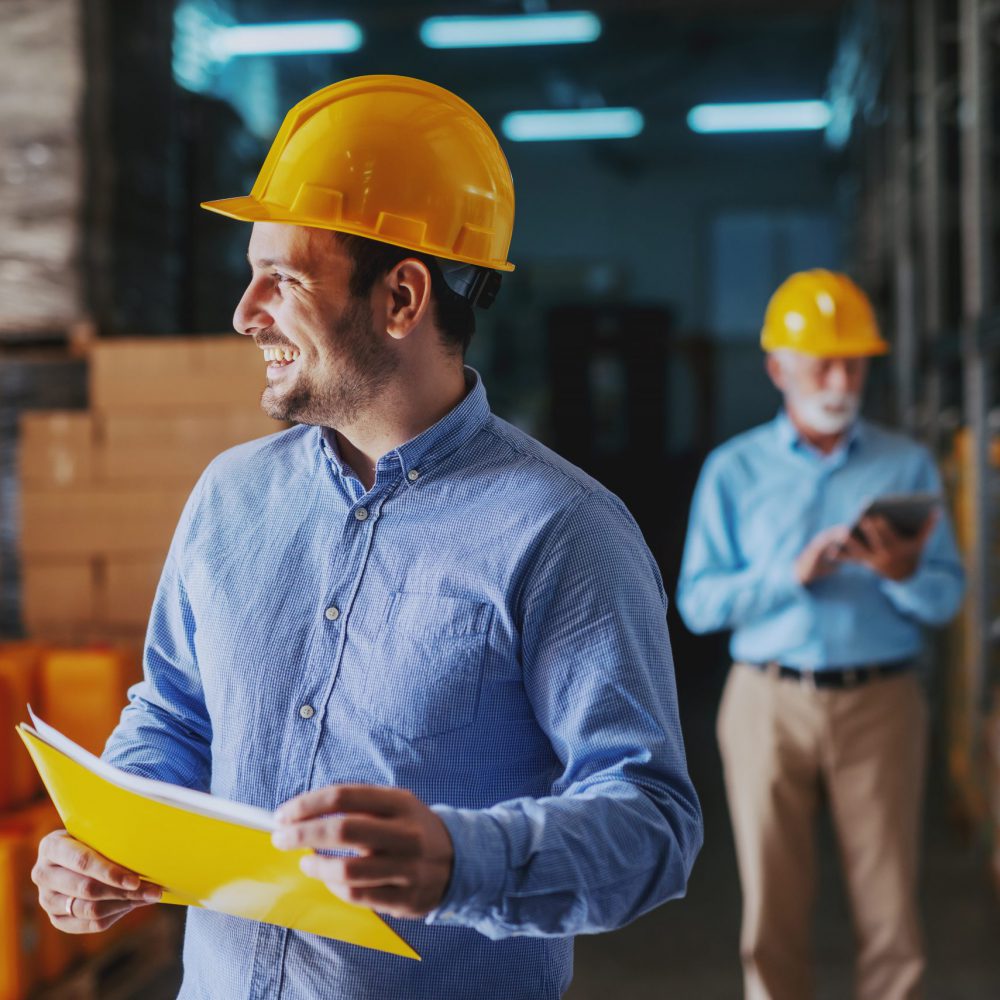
430,651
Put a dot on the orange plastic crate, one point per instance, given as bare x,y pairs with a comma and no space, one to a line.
83,692
19,665
19,913
54,951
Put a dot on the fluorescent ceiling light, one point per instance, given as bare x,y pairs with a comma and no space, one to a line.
520,29
770,116
586,123
286,38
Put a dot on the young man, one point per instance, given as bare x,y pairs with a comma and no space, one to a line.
823,700
425,639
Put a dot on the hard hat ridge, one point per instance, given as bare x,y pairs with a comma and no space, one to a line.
393,159
824,314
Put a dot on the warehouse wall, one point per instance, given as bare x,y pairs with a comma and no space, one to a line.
590,227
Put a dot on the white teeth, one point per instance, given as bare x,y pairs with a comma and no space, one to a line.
280,354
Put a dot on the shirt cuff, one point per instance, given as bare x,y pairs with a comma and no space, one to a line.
478,870
905,595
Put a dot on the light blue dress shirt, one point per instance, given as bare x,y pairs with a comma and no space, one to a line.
484,627
761,498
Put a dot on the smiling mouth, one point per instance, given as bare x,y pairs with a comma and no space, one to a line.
280,357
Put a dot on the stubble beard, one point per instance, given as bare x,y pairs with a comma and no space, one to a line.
362,369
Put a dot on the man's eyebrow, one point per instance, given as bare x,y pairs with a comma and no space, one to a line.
273,262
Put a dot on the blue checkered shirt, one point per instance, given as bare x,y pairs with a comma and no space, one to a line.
484,627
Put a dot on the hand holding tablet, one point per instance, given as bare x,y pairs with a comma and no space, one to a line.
890,534
906,514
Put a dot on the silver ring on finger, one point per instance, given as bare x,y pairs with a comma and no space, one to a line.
70,900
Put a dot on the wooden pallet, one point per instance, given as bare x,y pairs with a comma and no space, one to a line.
145,963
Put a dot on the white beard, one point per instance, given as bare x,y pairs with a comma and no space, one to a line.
826,412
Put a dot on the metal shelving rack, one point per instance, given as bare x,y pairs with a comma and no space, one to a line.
977,23
924,103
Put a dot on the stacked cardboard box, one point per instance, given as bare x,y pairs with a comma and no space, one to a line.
101,492
102,489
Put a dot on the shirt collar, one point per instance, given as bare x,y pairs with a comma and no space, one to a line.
790,438
417,457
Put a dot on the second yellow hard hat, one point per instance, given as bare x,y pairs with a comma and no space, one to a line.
393,159
824,314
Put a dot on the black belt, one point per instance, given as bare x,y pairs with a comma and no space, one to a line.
848,677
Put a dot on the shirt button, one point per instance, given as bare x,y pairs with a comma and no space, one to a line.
307,711
413,475
332,614
361,514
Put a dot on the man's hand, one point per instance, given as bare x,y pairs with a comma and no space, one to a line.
82,891
888,553
820,557
404,853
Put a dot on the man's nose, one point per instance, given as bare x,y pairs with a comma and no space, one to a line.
838,377
251,316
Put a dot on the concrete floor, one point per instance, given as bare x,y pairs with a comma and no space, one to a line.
687,950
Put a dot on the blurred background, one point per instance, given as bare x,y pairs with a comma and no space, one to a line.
647,244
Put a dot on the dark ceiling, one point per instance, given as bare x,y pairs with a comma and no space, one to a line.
662,56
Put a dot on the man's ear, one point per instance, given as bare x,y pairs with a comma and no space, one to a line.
775,371
408,297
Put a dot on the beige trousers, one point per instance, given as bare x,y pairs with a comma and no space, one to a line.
785,744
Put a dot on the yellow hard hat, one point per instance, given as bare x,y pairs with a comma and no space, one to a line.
824,314
393,159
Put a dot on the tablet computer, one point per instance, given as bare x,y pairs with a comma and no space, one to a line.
906,513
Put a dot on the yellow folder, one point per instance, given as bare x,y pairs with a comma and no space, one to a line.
199,858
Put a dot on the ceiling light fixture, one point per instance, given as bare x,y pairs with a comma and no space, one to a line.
583,123
766,116
566,28
289,38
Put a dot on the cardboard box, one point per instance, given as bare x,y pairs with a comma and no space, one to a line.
176,374
19,674
56,449
58,592
80,523
83,692
178,468
128,591
223,428
138,448
98,633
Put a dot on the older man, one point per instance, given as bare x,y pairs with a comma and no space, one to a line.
439,648
823,702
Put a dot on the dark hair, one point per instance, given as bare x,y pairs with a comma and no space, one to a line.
371,259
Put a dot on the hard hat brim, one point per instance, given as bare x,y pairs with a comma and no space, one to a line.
249,209
869,351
